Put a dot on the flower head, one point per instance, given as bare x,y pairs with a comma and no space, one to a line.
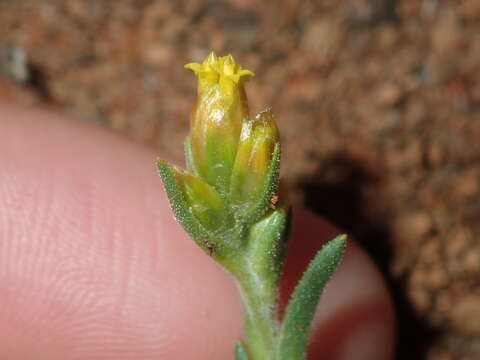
221,70
217,117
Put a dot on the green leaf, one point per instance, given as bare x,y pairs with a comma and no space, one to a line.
182,212
266,251
258,279
240,351
203,201
295,330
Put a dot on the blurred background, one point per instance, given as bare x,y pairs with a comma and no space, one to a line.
378,102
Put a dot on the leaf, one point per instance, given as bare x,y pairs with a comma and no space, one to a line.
266,251
203,201
240,351
181,210
259,278
295,330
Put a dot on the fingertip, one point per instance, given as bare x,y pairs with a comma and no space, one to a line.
93,262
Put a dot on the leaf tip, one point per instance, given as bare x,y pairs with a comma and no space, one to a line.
160,162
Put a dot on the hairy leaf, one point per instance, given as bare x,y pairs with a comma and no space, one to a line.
181,210
295,330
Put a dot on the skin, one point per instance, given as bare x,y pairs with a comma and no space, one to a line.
93,266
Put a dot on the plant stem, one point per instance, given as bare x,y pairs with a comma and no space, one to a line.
261,315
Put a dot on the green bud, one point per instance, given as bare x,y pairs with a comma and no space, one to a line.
217,117
255,149
203,200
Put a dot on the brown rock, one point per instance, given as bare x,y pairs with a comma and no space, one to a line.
466,315
447,34
467,183
388,94
458,240
413,226
323,38
472,261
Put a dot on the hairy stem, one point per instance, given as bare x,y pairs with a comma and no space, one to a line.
259,298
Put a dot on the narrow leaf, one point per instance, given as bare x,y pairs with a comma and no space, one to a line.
181,210
295,330
203,201
266,244
240,351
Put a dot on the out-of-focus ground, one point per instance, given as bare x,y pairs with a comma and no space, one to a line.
378,103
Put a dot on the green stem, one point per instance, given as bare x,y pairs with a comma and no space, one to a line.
259,292
257,268
261,319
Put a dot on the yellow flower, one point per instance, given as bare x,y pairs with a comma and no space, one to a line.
217,117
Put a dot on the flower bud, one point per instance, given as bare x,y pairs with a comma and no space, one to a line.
255,149
217,117
202,199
